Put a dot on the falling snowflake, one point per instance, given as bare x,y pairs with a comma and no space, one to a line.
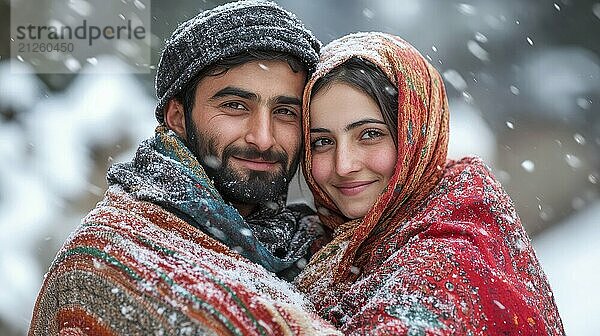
466,9
579,139
514,90
573,161
529,40
477,51
528,165
368,13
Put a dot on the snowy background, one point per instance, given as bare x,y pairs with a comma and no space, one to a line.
523,78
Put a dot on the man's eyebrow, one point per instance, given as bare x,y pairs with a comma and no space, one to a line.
234,91
287,100
238,92
362,122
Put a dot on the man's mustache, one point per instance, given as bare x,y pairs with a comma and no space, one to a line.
254,154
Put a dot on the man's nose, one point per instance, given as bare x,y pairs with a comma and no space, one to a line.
260,131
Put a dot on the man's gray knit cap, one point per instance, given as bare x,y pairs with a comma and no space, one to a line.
228,30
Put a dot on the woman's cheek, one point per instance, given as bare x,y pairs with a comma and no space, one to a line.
383,160
321,169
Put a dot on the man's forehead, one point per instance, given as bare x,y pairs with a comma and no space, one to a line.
262,78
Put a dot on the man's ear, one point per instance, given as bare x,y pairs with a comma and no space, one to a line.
175,117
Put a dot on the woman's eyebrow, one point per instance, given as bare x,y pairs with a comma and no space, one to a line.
319,130
351,126
362,122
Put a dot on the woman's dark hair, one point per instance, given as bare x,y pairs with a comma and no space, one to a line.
370,79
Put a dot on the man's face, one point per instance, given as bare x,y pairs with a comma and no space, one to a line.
246,130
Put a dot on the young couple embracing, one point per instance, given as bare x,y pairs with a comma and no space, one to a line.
194,235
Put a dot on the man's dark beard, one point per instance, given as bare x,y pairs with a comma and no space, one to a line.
252,187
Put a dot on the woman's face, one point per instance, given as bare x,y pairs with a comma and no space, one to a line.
353,153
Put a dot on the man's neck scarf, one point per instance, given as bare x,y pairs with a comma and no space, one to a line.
165,172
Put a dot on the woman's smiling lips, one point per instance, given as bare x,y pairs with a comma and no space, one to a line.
353,188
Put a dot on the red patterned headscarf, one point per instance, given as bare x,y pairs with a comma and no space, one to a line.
422,138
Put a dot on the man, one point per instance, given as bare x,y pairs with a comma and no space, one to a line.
189,232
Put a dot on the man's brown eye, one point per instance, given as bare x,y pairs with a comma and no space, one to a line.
286,111
235,105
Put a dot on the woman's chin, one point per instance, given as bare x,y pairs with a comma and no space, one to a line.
355,212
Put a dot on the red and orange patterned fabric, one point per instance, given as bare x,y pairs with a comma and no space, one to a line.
442,251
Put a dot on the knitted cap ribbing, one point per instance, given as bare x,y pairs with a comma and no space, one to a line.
225,31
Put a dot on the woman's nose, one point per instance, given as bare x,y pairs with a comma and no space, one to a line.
347,161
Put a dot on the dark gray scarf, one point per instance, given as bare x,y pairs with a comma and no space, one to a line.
166,173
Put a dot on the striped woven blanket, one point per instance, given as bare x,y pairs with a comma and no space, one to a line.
135,267
132,268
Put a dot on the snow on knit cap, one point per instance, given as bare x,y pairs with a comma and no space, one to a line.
225,31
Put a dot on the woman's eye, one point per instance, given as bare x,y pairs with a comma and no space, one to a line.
321,142
371,134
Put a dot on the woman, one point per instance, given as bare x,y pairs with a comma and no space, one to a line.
421,245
